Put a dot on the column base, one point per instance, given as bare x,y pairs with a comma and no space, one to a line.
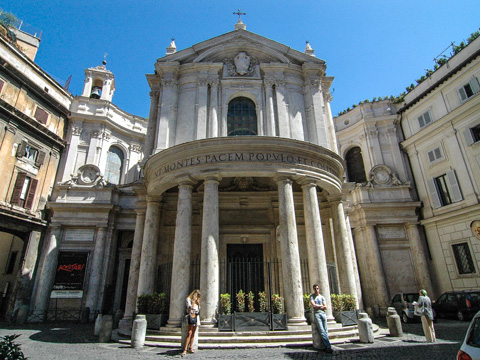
300,321
125,326
176,323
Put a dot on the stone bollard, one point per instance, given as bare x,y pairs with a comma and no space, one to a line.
139,331
394,323
106,325
85,316
96,329
365,329
22,315
116,318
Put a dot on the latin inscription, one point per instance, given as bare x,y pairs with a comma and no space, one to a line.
244,157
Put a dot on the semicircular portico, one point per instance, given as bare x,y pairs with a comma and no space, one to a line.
241,156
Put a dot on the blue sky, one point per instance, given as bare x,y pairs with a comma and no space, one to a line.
372,48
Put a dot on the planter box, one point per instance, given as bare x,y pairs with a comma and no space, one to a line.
156,321
279,322
252,321
347,318
226,323
309,317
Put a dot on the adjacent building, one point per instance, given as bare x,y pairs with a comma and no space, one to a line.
33,119
440,120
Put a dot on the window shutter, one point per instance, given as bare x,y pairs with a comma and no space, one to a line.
468,137
40,158
21,149
31,194
421,122
431,156
462,94
474,85
432,188
427,118
1,85
17,189
41,115
454,186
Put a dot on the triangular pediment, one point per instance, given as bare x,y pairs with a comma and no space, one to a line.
228,45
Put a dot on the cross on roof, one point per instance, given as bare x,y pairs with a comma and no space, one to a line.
239,13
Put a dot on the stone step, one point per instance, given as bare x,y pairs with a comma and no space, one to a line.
171,338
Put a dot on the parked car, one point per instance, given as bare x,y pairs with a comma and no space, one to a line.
402,302
461,304
470,349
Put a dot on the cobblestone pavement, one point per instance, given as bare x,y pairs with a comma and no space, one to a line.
76,341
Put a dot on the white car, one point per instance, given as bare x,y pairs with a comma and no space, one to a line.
470,349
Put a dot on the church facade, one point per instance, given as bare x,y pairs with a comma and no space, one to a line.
237,167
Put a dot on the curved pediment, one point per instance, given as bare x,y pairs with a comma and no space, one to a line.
228,45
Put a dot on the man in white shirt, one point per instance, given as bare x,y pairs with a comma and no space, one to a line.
319,305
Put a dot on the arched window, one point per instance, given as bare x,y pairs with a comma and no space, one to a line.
241,117
355,167
113,170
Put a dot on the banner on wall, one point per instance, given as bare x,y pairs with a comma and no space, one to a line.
70,275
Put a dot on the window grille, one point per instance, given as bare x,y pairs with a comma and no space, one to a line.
463,258
241,117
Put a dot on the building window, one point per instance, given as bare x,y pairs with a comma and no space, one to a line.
28,152
444,189
435,154
11,262
241,117
424,119
1,85
41,115
469,89
463,258
113,170
24,191
355,167
472,135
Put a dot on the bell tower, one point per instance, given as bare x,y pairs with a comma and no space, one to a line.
99,83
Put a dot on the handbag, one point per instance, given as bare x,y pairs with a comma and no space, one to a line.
192,319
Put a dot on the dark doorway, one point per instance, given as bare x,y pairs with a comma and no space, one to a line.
126,273
245,271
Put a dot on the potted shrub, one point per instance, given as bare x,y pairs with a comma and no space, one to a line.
241,301
250,302
343,307
225,320
307,309
154,307
251,320
279,319
262,301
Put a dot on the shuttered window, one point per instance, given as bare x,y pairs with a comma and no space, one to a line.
472,135
24,191
444,189
435,154
41,115
424,119
469,89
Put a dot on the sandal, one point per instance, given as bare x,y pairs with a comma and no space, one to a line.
184,353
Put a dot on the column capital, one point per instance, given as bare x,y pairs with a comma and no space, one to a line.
153,199
212,177
186,181
284,176
335,198
307,182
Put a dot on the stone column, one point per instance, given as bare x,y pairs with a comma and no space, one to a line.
22,286
125,325
148,262
270,108
202,95
363,264
209,262
213,126
181,255
96,271
152,124
342,249
292,277
355,263
422,273
46,274
375,267
317,260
